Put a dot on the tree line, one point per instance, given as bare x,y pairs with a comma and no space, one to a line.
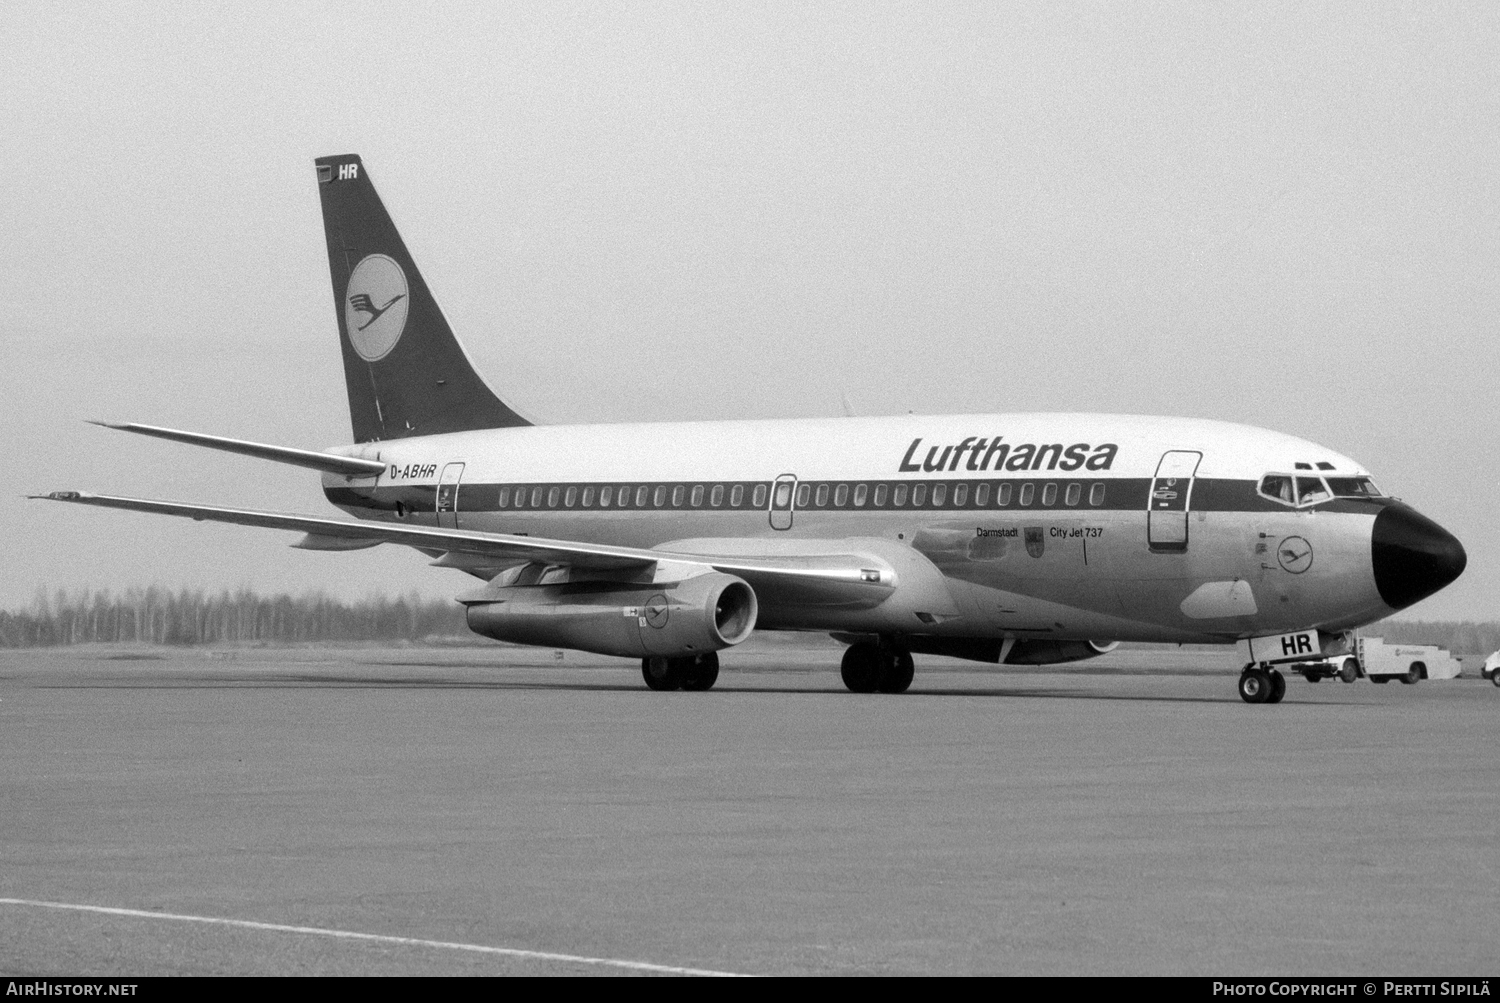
156,615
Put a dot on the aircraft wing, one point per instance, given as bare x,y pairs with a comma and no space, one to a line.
858,580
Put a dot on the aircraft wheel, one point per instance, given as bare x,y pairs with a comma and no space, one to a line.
1255,686
1495,678
896,671
700,673
1349,671
861,667
1315,677
661,673
1278,687
1382,680
1413,674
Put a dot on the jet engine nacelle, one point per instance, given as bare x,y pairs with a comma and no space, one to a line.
694,616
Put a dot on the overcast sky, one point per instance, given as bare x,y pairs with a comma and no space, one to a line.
1285,215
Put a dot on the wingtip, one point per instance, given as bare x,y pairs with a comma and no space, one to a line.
104,424
57,496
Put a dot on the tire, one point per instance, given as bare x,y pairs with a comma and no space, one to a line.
1495,678
861,667
1350,670
1382,680
896,672
661,673
1255,686
1315,677
1417,671
700,673
1278,687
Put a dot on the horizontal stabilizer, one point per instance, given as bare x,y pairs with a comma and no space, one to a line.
349,466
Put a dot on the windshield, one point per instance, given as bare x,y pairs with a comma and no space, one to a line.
1353,487
1302,489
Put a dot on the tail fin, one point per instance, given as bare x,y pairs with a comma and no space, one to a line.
406,372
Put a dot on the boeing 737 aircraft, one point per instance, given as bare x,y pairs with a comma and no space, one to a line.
1019,539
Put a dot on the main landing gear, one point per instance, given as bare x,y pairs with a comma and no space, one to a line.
698,672
868,667
1261,685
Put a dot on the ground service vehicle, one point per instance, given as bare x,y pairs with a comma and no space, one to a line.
1383,662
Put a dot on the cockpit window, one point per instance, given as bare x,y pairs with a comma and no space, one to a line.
1278,487
1300,489
1310,490
1353,487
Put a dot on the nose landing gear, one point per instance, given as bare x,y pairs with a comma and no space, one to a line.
1261,685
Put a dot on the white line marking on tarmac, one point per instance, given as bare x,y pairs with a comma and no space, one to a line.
381,938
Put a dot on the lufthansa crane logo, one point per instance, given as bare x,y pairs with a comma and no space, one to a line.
657,611
1294,554
375,306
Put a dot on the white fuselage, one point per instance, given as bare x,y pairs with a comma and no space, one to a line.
1035,525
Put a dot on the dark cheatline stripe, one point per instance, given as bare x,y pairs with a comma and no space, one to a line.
957,495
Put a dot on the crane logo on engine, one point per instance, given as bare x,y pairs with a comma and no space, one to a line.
656,612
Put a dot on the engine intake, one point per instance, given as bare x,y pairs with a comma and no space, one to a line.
690,617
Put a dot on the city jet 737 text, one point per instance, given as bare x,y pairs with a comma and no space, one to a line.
1017,539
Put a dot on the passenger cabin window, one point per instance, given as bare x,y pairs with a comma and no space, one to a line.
697,499
677,491
960,495
804,491
822,495
758,500
737,496
898,497
881,491
982,495
1003,497
570,497
841,495
552,495
939,495
716,495
504,498
588,497
606,495
1075,493
861,492
536,497
1049,494
640,496
1096,495
1028,490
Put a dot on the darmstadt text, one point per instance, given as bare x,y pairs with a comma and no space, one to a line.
1025,456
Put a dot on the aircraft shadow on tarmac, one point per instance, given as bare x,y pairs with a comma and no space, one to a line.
345,682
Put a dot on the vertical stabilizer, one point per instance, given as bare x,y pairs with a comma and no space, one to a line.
406,372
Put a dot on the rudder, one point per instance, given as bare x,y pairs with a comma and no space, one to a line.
405,371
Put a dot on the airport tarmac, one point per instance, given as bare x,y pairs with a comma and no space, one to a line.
1127,815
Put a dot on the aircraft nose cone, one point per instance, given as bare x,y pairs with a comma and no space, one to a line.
1413,556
